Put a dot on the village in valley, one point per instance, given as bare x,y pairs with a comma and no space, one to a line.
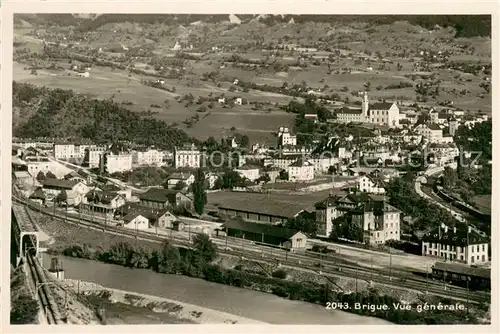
347,160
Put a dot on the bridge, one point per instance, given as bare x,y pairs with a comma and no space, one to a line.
25,252
24,233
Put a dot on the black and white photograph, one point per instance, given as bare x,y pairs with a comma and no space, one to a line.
251,169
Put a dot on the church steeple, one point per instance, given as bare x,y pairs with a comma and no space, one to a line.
365,104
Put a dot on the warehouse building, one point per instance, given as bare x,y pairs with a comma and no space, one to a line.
264,233
261,209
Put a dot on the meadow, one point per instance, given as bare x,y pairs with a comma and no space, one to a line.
105,83
388,41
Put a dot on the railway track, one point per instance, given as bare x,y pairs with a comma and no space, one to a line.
328,266
37,279
425,287
41,292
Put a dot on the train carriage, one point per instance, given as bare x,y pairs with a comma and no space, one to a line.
479,278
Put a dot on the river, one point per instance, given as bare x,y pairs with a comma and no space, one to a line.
242,302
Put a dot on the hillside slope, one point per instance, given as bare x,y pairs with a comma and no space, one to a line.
464,25
65,114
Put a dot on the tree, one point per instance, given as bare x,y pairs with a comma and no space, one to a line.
168,259
449,178
211,144
486,86
244,141
231,179
353,232
40,176
219,183
62,197
304,222
284,175
23,308
199,191
265,178
205,247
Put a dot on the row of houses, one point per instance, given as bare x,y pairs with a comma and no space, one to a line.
93,156
154,207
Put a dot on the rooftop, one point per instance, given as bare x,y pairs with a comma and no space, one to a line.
247,167
158,195
463,269
380,106
347,110
131,216
179,176
301,163
259,228
458,238
261,205
55,183
433,126
147,212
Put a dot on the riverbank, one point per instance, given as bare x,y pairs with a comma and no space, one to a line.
295,285
124,307
191,263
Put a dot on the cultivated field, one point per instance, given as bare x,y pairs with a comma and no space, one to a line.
483,202
360,55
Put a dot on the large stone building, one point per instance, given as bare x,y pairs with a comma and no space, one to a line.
301,170
93,155
116,163
378,220
458,245
286,138
149,157
187,156
384,113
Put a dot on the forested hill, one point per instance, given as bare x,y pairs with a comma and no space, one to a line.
464,25
62,113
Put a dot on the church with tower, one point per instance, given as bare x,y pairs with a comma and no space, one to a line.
380,113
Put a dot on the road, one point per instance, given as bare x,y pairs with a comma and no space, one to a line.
116,182
418,188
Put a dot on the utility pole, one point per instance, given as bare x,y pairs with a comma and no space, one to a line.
426,279
467,305
157,222
356,279
262,246
371,271
66,217
390,263
136,231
